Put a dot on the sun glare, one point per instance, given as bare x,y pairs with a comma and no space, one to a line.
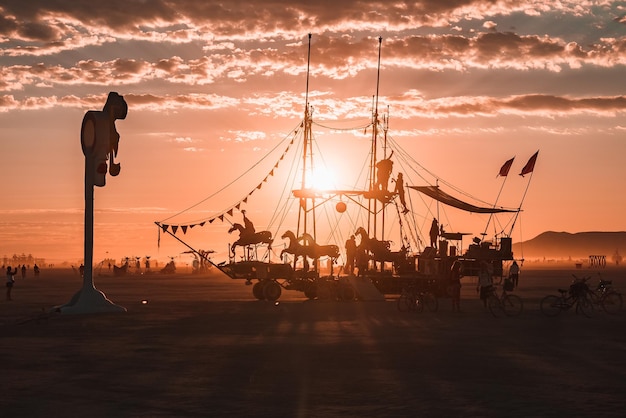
323,179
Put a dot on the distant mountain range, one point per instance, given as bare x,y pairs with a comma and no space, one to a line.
554,245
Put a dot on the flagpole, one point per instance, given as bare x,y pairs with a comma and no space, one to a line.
519,209
494,205
504,172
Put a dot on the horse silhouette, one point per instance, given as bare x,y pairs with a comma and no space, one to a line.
380,250
294,248
311,249
245,238
315,250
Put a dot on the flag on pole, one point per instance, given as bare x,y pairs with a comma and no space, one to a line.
504,171
530,165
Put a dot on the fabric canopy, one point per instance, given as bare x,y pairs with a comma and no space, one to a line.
436,193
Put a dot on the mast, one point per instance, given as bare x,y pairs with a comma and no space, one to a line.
307,161
373,205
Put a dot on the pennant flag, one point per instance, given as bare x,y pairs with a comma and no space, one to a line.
504,171
201,223
260,185
221,218
238,205
245,200
174,229
530,165
184,228
191,226
230,212
164,227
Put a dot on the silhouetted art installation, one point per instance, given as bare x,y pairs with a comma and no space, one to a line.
100,142
248,235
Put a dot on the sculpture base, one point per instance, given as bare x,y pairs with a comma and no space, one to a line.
89,300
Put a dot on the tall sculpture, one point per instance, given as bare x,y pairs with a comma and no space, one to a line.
100,140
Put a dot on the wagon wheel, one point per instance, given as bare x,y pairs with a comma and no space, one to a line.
271,290
257,290
346,292
310,291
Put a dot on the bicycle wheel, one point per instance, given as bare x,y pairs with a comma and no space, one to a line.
584,306
612,303
512,305
430,301
550,305
495,306
595,298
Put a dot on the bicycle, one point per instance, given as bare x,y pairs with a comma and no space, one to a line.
608,298
509,305
413,300
577,295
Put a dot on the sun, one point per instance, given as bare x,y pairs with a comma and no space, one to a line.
323,178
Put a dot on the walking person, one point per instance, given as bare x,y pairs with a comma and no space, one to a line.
10,281
485,282
514,273
454,286
23,271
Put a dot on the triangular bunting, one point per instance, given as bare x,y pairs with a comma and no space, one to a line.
230,212
202,224
164,227
245,200
184,228
221,218
174,229
260,185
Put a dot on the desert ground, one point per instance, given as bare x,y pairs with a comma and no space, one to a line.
201,345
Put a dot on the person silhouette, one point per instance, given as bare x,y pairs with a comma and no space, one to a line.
350,255
248,225
10,281
383,171
400,191
434,233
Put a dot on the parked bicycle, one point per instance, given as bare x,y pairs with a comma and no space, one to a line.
414,300
576,296
507,304
606,297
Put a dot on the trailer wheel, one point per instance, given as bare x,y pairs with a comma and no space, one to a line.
257,290
310,291
271,290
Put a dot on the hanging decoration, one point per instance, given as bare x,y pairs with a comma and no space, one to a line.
228,212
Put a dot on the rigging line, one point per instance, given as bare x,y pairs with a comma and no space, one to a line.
238,178
495,203
519,209
367,125
448,184
292,174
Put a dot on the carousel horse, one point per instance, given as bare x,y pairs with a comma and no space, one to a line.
294,248
245,239
315,251
380,250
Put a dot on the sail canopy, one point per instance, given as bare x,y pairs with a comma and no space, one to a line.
436,193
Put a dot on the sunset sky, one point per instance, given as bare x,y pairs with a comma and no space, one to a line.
212,87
